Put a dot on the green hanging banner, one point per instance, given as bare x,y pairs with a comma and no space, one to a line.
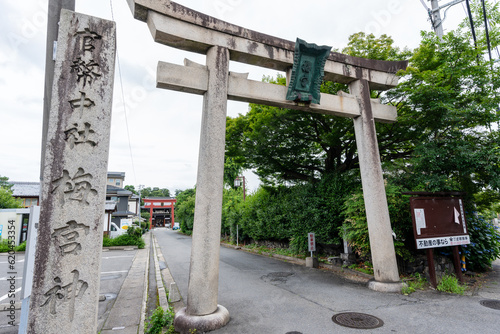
307,72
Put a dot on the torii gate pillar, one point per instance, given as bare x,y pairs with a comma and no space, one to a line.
202,311
377,211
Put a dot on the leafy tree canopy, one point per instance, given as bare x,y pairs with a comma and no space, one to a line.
446,137
7,201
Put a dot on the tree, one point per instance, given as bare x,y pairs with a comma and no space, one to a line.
285,145
155,192
445,137
7,201
448,106
131,189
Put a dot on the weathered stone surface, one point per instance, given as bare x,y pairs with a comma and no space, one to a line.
194,80
377,212
186,323
67,262
204,268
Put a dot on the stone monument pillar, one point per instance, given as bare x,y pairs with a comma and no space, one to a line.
377,213
65,290
202,311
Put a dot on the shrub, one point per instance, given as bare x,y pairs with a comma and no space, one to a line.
21,247
356,229
159,320
4,246
450,284
124,240
485,243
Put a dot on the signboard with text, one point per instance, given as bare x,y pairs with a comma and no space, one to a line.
311,241
438,222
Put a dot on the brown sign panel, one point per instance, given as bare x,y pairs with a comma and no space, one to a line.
438,222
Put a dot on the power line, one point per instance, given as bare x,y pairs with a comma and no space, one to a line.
123,98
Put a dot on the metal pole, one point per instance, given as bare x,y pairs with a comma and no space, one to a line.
437,23
54,12
243,188
237,238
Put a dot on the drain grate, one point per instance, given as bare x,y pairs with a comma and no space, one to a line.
491,303
293,333
357,320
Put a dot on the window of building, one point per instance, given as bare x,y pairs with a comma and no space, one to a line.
111,180
117,182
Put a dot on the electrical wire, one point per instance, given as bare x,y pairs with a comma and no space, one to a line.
123,98
486,29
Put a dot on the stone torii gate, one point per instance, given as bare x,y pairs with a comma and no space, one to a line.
177,26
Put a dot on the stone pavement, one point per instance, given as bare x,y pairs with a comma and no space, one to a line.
127,314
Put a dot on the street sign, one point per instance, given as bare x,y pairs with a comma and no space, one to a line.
311,240
438,222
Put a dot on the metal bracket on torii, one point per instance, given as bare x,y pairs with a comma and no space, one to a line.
177,26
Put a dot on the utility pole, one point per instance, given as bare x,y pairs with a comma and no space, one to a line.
435,14
437,24
54,12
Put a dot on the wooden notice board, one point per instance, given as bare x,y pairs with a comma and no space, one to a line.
438,222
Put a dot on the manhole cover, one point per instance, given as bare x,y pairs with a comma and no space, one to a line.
357,320
277,277
491,303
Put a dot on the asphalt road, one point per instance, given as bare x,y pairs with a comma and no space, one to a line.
265,295
114,268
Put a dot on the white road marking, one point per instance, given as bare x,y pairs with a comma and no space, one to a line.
6,295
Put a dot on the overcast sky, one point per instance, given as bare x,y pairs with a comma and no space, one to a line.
164,126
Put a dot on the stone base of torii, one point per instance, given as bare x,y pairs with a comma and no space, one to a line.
175,25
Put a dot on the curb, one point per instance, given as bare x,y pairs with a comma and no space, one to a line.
162,295
349,274
177,303
145,291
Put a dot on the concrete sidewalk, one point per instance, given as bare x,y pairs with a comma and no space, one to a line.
128,311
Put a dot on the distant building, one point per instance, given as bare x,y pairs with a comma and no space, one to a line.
161,210
28,192
122,198
126,204
116,179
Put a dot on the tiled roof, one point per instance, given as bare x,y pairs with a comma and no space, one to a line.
25,189
110,206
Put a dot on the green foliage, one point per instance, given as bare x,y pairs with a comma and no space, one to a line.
124,240
7,201
447,103
4,246
4,182
21,247
365,267
155,192
368,46
146,215
135,232
131,189
287,214
417,282
184,210
355,227
159,320
449,283
7,245
485,243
